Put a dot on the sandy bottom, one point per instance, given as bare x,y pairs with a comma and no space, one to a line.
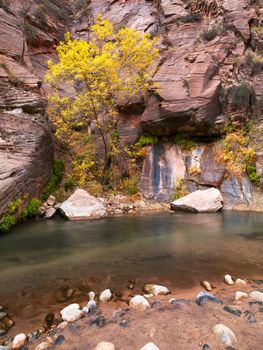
187,326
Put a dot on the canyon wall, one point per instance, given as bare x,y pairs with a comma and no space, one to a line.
207,79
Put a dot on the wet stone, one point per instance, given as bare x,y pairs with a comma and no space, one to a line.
180,301
255,303
124,323
4,347
49,319
7,322
94,311
33,336
60,340
3,332
120,312
73,328
232,310
98,322
205,347
2,314
202,297
250,316
156,305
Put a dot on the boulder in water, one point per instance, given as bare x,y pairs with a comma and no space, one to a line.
207,201
82,206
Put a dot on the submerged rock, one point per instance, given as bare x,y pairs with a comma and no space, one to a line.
139,303
4,347
60,340
50,213
205,347
207,201
105,346
82,206
71,313
203,296
225,334
232,310
150,346
98,322
155,289
228,279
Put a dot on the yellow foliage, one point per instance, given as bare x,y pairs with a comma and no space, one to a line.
108,71
236,153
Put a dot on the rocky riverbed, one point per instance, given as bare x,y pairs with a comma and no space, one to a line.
229,316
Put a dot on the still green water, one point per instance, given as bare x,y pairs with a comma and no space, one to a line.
177,249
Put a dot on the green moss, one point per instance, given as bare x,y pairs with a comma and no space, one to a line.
31,210
180,189
13,206
69,184
210,33
58,169
146,140
7,222
252,174
184,141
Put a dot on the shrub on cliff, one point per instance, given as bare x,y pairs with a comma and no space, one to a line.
109,71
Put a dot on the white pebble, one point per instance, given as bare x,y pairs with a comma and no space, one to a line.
240,281
91,295
258,296
105,296
85,310
43,346
155,289
63,325
71,313
240,295
19,341
150,346
228,280
225,334
139,303
105,346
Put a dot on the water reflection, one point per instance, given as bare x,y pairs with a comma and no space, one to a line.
181,248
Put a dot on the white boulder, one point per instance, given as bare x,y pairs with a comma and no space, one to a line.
150,346
50,213
225,334
258,296
43,346
105,296
155,289
206,201
19,341
105,346
71,313
82,206
139,303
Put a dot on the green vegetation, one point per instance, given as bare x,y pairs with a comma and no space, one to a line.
210,33
180,189
192,17
30,32
255,62
184,141
236,154
9,218
242,96
81,4
146,140
31,210
129,185
252,174
40,14
58,169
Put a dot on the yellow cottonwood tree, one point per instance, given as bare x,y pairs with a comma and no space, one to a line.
107,72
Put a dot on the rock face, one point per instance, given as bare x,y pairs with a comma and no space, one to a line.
26,147
167,165
207,201
82,206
